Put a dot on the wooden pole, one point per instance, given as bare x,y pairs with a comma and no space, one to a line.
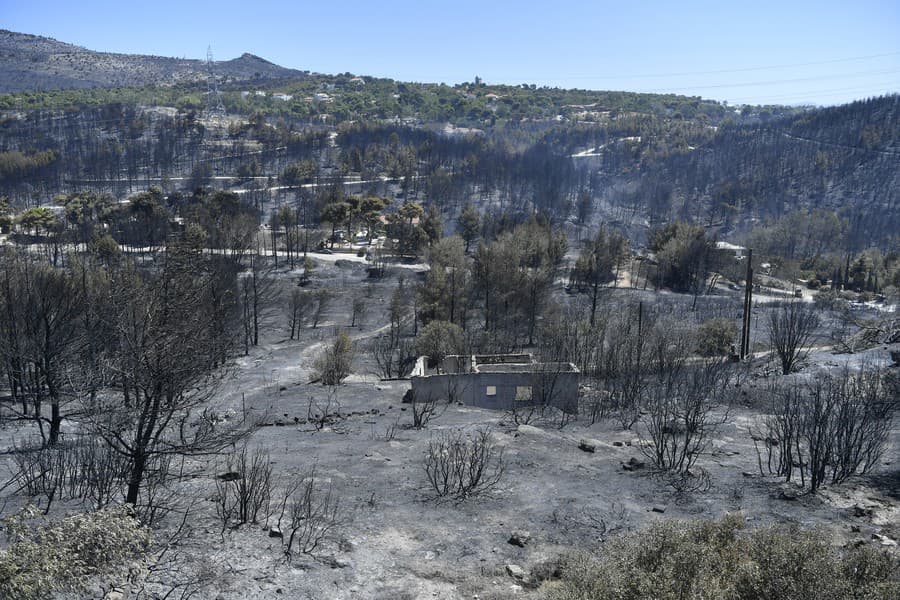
748,296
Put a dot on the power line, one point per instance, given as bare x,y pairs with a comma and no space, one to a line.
676,74
740,70
817,93
778,81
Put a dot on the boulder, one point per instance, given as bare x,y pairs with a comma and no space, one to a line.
519,538
529,429
587,445
633,464
515,571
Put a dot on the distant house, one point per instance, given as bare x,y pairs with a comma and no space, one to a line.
283,97
323,97
358,81
497,381
738,252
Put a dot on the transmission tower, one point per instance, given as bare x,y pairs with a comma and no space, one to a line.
214,106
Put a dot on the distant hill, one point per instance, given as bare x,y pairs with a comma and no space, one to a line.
30,62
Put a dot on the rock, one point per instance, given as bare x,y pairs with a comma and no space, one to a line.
748,474
229,476
588,445
855,528
279,423
529,429
336,563
519,538
884,540
275,533
515,571
114,595
658,509
862,511
618,444
633,464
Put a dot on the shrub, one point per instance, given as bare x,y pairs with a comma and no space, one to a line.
244,489
715,337
310,515
713,559
63,556
334,365
460,465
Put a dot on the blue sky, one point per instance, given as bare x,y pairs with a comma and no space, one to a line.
825,52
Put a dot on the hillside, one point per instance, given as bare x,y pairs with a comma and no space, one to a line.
29,62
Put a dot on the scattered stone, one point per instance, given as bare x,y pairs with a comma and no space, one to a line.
403,408
658,509
336,563
275,533
519,538
884,540
279,423
854,528
279,591
862,511
229,476
588,445
748,474
618,444
633,464
515,571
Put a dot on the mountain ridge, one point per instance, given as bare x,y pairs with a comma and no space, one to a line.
31,62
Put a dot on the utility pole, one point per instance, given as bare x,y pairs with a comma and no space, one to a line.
748,301
214,106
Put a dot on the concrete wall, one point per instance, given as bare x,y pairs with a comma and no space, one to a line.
559,389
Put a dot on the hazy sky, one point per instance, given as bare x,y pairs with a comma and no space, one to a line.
825,52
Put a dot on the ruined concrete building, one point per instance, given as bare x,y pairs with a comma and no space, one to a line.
497,381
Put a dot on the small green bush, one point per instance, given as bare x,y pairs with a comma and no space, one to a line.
675,560
63,556
715,337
